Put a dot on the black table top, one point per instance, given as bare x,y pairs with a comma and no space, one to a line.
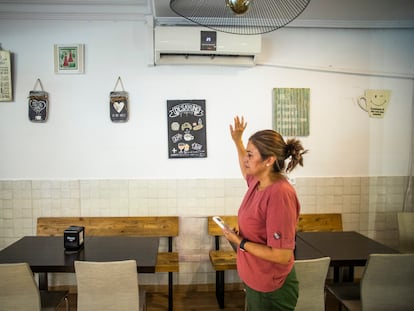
47,254
344,248
305,251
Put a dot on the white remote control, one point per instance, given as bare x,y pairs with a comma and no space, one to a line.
218,220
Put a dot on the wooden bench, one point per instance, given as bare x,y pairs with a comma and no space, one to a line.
221,260
165,226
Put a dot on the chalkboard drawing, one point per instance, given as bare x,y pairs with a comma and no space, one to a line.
186,128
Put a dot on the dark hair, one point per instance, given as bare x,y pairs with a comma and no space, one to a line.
271,143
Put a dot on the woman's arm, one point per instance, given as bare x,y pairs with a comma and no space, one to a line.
236,132
277,255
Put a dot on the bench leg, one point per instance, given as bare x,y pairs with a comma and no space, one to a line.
170,291
220,288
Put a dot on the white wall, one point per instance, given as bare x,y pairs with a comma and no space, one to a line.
80,142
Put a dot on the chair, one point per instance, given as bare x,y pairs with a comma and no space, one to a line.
19,292
311,274
109,286
386,284
406,231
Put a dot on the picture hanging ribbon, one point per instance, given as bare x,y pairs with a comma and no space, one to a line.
38,104
118,103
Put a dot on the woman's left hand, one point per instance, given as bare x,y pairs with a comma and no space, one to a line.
232,236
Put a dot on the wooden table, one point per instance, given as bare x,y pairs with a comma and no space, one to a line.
46,254
346,249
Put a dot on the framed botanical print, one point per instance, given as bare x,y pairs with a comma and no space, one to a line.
69,58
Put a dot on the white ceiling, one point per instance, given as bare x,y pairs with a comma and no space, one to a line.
319,13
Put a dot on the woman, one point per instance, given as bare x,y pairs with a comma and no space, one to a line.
267,219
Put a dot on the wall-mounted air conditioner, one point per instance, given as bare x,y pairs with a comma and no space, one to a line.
179,45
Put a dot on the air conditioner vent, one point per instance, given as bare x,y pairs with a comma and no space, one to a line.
182,45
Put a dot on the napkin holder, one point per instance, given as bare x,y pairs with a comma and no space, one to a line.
74,238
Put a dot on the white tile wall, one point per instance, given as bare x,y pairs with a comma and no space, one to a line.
368,205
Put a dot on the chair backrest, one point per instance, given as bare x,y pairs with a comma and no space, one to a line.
311,274
18,290
406,231
107,285
388,282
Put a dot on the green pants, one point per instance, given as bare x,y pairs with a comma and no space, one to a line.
282,299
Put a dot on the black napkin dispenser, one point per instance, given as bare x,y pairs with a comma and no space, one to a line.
74,238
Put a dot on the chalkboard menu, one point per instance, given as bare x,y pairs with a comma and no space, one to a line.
186,128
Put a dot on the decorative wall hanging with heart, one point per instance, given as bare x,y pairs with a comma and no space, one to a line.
38,104
118,104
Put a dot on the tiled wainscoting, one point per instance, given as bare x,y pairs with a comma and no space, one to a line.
368,205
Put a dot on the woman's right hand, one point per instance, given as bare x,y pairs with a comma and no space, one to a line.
238,128
236,132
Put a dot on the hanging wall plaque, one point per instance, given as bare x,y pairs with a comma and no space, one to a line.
186,129
5,76
38,104
291,111
118,103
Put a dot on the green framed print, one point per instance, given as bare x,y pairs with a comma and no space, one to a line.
69,58
291,111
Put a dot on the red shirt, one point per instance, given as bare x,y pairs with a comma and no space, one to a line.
267,217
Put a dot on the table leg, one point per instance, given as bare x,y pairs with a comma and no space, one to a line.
343,274
43,282
220,288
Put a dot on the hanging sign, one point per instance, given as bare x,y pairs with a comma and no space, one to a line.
38,104
5,77
118,104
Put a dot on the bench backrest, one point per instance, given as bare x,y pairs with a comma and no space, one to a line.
215,230
306,222
164,226
319,222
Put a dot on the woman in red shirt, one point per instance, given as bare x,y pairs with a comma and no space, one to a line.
267,219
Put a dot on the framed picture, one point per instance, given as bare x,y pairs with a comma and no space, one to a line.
291,111
69,58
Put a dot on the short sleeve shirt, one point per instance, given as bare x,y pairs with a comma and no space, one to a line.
268,217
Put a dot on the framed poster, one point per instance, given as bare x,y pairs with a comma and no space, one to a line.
186,128
69,58
291,111
5,77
